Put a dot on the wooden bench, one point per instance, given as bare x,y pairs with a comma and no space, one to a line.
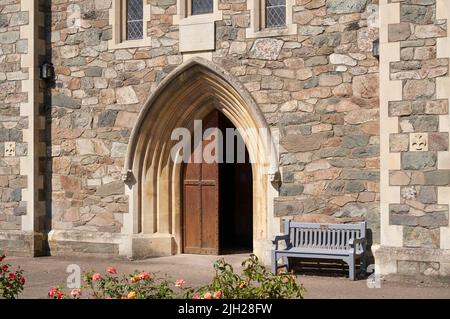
345,242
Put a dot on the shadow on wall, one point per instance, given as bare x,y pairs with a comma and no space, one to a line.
47,87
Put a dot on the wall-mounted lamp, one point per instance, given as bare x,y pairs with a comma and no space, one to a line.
47,71
376,48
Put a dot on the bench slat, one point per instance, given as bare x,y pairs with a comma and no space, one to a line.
347,238
301,238
315,237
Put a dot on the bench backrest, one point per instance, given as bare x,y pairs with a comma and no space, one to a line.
324,236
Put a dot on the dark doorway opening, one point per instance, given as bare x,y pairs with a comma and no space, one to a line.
218,197
236,198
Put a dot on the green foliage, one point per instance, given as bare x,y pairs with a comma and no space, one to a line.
255,282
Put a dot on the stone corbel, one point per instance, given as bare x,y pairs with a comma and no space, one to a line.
128,177
275,178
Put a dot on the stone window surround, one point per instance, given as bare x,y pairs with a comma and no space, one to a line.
257,28
195,26
117,18
184,17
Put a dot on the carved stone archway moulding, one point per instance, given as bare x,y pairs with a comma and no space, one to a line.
153,225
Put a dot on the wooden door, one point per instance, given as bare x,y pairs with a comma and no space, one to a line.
201,201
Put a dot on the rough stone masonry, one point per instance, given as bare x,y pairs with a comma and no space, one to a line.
319,88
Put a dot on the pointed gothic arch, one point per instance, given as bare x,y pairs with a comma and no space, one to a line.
190,92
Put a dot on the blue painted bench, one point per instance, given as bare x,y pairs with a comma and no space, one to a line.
345,242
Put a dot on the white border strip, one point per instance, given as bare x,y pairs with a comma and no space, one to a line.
27,164
391,235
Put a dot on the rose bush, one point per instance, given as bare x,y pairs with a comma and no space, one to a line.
138,285
255,282
11,282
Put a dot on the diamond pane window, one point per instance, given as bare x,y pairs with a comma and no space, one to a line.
275,13
202,6
135,19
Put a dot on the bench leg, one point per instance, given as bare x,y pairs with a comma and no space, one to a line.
351,267
288,266
274,263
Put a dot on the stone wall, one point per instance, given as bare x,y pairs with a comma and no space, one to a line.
13,147
419,173
324,99
317,88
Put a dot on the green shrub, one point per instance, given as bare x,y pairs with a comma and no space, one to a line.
255,282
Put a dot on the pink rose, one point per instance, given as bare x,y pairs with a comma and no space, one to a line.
196,297
179,283
76,293
96,277
112,270
217,295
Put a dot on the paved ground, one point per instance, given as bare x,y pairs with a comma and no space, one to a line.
45,272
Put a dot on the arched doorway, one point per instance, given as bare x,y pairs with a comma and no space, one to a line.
218,195
153,174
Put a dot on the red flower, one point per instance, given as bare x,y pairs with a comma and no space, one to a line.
55,293
2,257
4,268
52,292
22,280
112,270
144,275
12,276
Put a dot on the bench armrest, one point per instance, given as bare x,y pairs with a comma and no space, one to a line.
355,241
276,239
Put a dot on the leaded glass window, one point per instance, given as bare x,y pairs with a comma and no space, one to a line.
135,19
275,13
202,6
